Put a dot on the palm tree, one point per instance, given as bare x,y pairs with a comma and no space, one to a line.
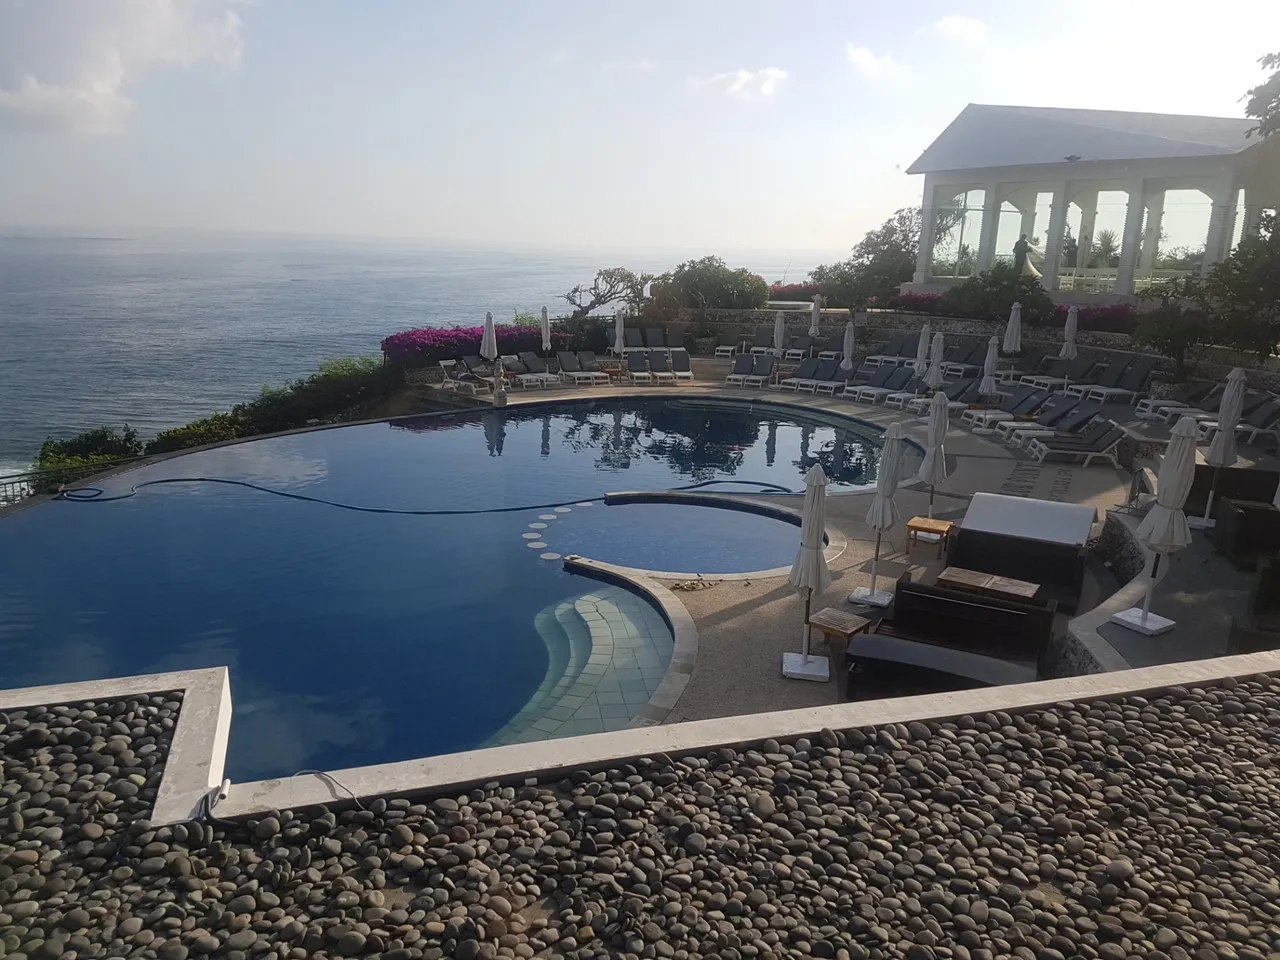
1107,246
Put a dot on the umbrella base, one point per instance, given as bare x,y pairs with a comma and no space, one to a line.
863,595
795,667
1153,625
1200,523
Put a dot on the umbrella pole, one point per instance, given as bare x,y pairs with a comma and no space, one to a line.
1208,504
1146,600
874,561
804,645
931,489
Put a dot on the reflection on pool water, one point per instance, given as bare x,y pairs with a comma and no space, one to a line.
357,637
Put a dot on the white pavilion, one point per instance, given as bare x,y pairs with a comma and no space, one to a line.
1039,170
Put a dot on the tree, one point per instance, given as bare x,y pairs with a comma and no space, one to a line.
1244,290
1264,99
708,283
881,261
1107,247
611,285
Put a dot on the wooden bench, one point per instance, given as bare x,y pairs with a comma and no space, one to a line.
1057,567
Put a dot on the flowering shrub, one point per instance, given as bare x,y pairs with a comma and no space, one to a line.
794,291
425,346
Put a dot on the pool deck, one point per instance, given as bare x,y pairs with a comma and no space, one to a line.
746,625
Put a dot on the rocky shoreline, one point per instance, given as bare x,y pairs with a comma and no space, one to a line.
1135,827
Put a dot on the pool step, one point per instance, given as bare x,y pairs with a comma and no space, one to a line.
568,642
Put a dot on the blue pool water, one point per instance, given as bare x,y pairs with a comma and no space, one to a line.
357,637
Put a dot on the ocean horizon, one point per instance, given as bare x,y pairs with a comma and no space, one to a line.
158,329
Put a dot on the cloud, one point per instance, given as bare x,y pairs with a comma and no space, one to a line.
957,27
748,84
870,65
64,64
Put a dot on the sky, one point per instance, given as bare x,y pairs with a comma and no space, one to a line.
747,124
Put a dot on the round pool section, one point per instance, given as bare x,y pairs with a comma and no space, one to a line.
395,590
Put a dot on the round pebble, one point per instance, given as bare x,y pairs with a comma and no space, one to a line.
547,516
531,536
537,526
536,545
549,555
563,509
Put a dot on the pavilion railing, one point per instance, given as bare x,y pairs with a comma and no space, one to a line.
16,487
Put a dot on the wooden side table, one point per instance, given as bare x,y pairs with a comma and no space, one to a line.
838,627
938,528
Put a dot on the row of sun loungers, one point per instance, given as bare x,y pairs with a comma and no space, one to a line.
797,348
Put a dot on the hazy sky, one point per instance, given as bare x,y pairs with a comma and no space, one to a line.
708,123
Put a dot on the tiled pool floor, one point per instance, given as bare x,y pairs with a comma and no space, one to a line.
609,650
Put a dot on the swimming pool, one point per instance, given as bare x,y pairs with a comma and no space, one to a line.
358,637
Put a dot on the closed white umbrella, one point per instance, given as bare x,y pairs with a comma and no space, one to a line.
933,376
816,316
1164,529
846,363
933,468
1013,331
988,386
619,332
489,350
1068,351
883,512
779,333
922,352
809,574
1222,449
546,331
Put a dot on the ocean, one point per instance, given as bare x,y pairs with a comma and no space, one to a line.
156,332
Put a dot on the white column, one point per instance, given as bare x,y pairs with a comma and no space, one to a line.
1214,241
1132,237
990,226
1088,203
1252,218
1229,233
1151,237
1053,237
1027,227
924,259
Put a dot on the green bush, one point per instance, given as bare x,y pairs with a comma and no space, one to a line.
990,296
58,470
711,285
584,333
217,428
103,443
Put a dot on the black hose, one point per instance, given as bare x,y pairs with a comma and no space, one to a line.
98,495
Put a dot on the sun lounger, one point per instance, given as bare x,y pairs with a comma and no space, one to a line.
728,345
1107,379
571,370
798,348
763,342
1027,365
680,367
589,364
1073,370
838,380
480,369
460,382
1057,406
655,339
1075,424
1149,407
968,361
638,368
760,373
660,367
831,348
808,367
1022,402
633,341
959,395
1103,447
520,376
904,397
826,370
893,351
1260,419
1208,409
537,366
742,366
886,380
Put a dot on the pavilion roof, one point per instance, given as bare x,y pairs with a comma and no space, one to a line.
985,136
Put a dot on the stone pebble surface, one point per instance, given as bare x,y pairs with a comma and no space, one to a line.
1130,827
